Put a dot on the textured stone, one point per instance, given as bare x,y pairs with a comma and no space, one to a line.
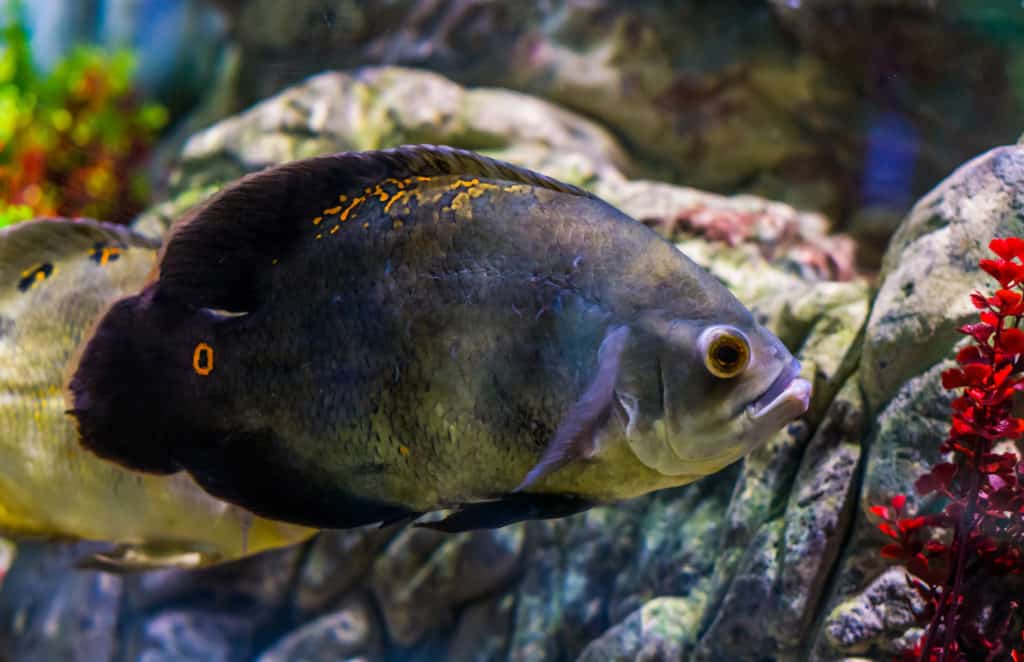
179,635
337,560
651,634
928,273
349,632
262,582
932,266
51,611
483,631
422,575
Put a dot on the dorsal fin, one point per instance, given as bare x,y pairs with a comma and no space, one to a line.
218,257
33,244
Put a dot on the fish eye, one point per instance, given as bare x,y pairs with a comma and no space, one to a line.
727,353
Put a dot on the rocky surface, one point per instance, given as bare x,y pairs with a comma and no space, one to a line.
928,274
787,101
770,558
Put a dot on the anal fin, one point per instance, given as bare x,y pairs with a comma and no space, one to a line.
512,508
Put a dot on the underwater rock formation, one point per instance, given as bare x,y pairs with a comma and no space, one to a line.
928,274
772,557
776,98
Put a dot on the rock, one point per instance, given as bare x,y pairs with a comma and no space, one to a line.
337,560
482,632
652,634
262,583
931,268
423,575
380,107
349,632
781,571
178,635
928,274
788,102
51,611
872,622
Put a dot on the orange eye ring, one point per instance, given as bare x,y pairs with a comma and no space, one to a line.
202,359
727,355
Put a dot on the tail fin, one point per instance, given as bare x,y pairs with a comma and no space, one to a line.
120,392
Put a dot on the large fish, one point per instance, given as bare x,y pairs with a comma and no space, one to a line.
366,337
56,277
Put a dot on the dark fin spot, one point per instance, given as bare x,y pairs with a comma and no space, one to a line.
220,256
517,507
574,438
123,392
102,253
24,246
257,470
35,275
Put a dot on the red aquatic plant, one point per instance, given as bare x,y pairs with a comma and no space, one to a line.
978,534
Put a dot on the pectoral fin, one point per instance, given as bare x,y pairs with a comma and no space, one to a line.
575,437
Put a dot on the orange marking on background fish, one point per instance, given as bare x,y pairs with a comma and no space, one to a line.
202,359
316,221
404,450
319,235
332,211
334,229
342,198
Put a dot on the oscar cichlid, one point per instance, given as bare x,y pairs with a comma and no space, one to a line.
56,277
366,337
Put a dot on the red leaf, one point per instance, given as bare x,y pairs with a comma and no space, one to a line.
898,502
1011,341
1007,247
990,318
911,524
892,551
888,530
979,301
953,378
971,354
881,511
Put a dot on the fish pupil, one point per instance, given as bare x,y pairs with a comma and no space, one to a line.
727,355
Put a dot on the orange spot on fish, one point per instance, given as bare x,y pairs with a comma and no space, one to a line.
355,203
202,359
366,226
398,196
334,229
319,235
316,221
332,211
342,198
404,450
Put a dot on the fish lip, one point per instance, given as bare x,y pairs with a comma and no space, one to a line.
787,387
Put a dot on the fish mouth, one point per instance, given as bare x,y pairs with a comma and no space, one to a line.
788,392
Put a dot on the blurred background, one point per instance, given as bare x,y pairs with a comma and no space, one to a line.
852,109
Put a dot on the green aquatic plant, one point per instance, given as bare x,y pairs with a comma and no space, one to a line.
73,141
952,554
